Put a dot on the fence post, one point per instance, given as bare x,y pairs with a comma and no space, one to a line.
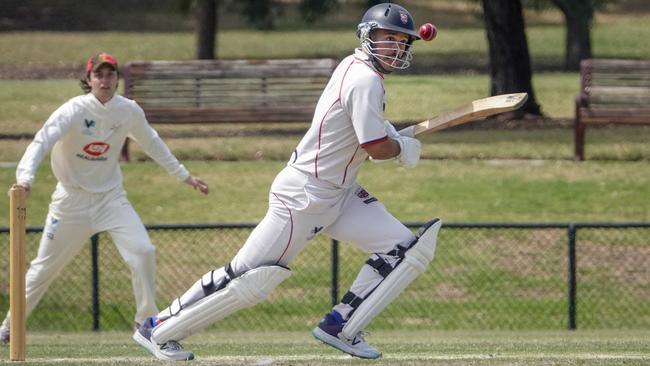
94,250
335,272
572,280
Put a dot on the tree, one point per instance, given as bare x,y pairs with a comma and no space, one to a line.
312,10
510,69
578,15
206,29
259,13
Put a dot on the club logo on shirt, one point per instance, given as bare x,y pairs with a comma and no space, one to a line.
89,123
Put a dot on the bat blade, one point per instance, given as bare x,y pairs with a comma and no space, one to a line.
477,109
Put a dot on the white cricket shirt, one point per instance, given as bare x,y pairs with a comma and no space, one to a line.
348,117
86,138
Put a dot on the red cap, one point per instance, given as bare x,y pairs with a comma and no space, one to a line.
94,62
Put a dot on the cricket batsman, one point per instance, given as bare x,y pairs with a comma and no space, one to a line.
317,192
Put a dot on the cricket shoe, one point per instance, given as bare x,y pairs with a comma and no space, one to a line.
170,350
329,330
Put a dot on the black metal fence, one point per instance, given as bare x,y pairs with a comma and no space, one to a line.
484,276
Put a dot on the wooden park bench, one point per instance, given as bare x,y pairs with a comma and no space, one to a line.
611,91
220,91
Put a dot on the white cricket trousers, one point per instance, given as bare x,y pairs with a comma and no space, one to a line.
74,216
301,206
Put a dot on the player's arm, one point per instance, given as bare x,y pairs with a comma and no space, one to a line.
156,148
364,102
384,150
408,148
55,127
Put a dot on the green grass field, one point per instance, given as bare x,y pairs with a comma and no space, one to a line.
456,190
593,348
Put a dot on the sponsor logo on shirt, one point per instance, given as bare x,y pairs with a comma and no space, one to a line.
94,151
96,148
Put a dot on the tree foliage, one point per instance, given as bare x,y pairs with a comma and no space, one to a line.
312,10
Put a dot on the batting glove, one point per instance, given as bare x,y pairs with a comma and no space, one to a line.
391,131
409,155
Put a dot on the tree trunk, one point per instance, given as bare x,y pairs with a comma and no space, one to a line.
510,70
206,29
578,15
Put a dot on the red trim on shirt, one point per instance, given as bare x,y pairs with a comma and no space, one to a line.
320,128
290,233
345,173
320,131
366,144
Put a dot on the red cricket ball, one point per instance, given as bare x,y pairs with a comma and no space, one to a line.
428,31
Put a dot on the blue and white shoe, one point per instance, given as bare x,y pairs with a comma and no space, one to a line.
170,351
329,330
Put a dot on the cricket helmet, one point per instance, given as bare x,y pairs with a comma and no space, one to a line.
391,17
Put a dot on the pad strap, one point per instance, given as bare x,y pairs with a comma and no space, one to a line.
351,299
382,266
411,264
248,289
210,286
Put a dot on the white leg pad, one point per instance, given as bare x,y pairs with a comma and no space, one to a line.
415,262
244,291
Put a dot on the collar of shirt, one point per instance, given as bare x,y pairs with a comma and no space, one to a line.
95,102
361,55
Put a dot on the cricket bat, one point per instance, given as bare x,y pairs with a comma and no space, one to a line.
477,109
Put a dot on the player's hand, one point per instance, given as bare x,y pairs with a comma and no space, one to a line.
197,183
409,155
390,130
24,186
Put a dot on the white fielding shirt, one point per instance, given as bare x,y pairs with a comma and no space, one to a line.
86,139
348,117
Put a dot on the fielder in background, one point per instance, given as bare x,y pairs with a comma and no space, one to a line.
86,135
317,192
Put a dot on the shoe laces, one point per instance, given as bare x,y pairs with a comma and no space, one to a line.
172,346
